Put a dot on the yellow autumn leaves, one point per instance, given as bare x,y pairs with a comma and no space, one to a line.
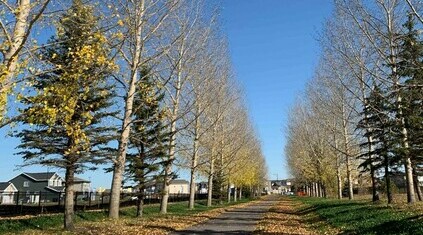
58,102
3,94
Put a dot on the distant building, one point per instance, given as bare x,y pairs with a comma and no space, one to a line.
7,193
45,186
278,186
81,185
176,186
202,187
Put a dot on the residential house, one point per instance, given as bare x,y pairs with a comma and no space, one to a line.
81,185
7,193
202,187
36,187
279,186
44,187
176,186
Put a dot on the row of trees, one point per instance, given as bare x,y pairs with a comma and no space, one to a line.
142,86
361,117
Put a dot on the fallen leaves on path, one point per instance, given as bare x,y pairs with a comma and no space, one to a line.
158,225
285,218
153,226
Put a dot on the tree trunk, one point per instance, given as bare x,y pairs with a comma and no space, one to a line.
229,193
372,168
194,156
374,188
115,191
69,197
349,180
235,195
339,180
387,179
316,194
347,153
211,173
10,60
319,189
210,188
165,190
119,165
411,198
416,183
392,59
192,190
140,206
240,193
168,167
172,141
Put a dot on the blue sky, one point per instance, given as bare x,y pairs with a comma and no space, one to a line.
274,50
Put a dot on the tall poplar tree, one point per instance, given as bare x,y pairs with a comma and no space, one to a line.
410,68
70,102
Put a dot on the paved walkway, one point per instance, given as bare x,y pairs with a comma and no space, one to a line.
234,221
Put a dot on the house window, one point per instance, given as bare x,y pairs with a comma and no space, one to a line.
26,184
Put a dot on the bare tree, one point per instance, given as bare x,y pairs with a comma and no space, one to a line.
16,24
138,24
179,59
380,23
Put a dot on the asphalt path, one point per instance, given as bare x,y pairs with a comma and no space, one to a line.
234,221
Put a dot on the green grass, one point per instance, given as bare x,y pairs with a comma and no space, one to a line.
56,221
363,217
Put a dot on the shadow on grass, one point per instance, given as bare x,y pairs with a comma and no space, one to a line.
359,217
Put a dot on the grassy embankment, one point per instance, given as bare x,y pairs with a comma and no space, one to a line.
362,216
97,222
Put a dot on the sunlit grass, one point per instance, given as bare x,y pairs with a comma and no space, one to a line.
364,217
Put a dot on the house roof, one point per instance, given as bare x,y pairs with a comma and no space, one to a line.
44,176
4,185
56,188
178,181
80,180
158,183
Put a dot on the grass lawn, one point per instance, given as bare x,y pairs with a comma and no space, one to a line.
54,223
364,217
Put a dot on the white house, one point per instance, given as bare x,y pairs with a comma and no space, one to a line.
7,193
81,185
176,186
